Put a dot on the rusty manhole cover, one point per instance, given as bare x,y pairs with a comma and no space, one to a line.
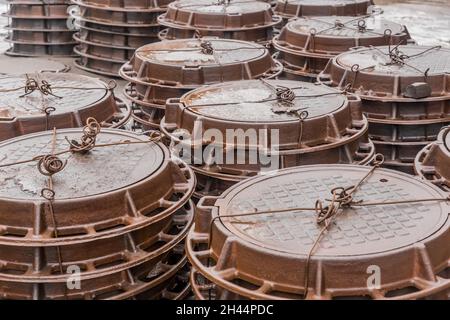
403,73
132,164
388,236
239,105
433,162
71,100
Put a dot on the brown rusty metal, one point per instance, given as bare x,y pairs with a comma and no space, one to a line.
74,98
105,15
127,5
38,24
164,70
37,11
99,65
147,118
333,129
306,44
433,162
262,36
40,37
298,8
205,14
37,50
380,75
246,20
174,179
115,39
180,65
101,50
228,250
120,236
399,155
149,32
404,92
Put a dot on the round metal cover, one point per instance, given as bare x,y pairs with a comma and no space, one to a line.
98,14
433,162
92,200
391,237
298,8
37,11
184,64
39,50
337,34
73,99
330,130
382,73
205,14
99,65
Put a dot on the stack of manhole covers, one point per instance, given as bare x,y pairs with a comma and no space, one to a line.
43,101
405,96
31,65
305,45
38,28
289,9
433,162
110,31
247,20
269,219
102,223
169,69
321,125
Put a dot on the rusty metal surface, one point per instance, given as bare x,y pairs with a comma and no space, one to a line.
182,64
99,65
37,11
116,39
391,237
333,35
119,30
342,137
38,24
101,50
262,36
37,50
118,17
143,165
73,99
126,241
206,15
298,8
433,162
305,45
32,65
39,37
382,75
127,5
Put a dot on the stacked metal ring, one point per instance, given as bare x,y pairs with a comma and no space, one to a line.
38,28
305,45
289,9
247,20
169,69
43,101
261,239
102,235
433,162
405,96
110,31
276,123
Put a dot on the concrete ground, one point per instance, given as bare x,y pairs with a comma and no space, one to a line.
428,24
